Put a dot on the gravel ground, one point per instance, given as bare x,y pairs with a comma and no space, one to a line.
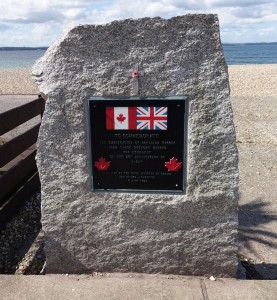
19,234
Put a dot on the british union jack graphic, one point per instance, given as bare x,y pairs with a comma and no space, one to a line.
151,118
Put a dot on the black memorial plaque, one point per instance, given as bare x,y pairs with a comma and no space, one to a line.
138,144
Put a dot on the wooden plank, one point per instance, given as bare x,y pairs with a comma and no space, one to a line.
17,145
12,206
15,161
18,115
14,178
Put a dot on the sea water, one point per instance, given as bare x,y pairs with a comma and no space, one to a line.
242,54
235,54
19,58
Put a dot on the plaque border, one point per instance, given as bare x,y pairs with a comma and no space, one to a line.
137,191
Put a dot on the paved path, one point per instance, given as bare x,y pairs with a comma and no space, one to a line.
256,128
132,287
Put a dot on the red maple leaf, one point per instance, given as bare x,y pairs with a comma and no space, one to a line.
173,165
102,164
121,118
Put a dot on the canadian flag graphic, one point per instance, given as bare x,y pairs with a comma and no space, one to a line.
136,118
121,118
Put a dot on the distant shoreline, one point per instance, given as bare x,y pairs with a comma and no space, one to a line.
22,48
262,43
46,47
235,54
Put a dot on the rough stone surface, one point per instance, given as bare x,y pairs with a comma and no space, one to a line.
194,233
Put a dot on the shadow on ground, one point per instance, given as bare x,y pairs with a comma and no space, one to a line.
256,231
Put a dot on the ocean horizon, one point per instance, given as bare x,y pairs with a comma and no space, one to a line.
235,54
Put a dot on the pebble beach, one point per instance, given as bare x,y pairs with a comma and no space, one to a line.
253,80
17,82
245,80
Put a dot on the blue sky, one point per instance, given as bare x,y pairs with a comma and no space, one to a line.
41,22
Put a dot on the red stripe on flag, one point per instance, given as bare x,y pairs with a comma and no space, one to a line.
152,115
109,118
132,117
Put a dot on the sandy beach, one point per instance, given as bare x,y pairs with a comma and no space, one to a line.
17,82
245,80
253,80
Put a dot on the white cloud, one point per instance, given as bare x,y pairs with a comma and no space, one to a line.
235,3
240,20
75,13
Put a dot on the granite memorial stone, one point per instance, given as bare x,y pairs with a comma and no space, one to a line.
191,231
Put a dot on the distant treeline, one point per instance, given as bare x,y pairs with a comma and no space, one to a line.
22,48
